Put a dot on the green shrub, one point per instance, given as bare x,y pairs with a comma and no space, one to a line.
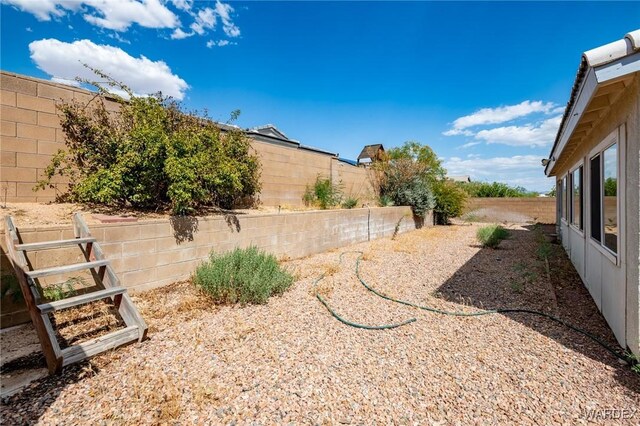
494,190
385,201
491,235
324,193
406,176
450,200
242,276
151,155
349,203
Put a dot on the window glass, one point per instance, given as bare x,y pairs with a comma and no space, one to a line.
595,206
610,189
564,197
576,197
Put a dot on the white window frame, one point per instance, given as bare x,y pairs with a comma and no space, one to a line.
564,202
570,198
611,139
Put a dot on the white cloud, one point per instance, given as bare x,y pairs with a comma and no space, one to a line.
499,115
469,145
183,4
219,43
205,20
178,34
115,15
118,15
224,11
43,10
65,61
532,134
519,170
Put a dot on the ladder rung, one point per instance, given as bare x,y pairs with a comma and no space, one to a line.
45,245
83,299
98,345
67,268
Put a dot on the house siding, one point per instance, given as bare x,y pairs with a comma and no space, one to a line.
614,288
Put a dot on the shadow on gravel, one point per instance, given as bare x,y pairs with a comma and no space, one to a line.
28,405
515,276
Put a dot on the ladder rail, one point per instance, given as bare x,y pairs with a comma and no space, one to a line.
41,321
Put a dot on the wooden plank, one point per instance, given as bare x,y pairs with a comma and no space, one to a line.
66,268
82,299
127,309
53,244
41,323
98,345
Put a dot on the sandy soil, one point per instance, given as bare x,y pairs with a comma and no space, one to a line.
34,214
290,361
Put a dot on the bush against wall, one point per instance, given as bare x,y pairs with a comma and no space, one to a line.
151,155
406,176
324,193
242,276
450,200
495,190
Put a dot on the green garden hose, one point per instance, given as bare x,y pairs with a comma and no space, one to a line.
350,323
627,358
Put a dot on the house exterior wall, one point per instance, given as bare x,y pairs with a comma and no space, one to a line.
614,287
30,134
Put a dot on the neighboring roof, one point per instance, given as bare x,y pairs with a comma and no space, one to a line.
344,160
269,130
461,178
609,65
271,134
370,151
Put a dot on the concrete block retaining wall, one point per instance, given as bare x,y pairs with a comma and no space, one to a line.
154,253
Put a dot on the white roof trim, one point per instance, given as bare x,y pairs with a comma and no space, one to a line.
598,65
612,51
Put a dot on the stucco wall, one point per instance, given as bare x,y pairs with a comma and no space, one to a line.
542,209
615,288
154,253
31,134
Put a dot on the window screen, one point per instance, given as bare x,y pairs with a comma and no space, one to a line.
595,199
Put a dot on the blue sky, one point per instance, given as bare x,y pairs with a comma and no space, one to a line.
484,84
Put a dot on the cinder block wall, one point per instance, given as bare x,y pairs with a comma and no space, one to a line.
542,209
31,134
154,253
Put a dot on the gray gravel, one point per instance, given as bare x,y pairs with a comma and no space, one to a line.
290,362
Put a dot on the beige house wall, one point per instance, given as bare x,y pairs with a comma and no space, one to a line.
615,288
31,134
154,253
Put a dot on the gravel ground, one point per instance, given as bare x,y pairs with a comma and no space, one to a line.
290,361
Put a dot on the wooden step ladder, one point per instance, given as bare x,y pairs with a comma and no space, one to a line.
105,280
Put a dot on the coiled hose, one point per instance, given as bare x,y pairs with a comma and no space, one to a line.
623,356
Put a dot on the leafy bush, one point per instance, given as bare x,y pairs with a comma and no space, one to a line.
406,176
494,190
151,155
242,276
491,235
349,203
324,193
450,200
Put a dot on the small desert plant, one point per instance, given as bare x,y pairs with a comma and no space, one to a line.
63,290
242,276
385,201
324,193
491,235
349,203
450,200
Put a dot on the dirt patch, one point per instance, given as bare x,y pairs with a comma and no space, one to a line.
290,361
